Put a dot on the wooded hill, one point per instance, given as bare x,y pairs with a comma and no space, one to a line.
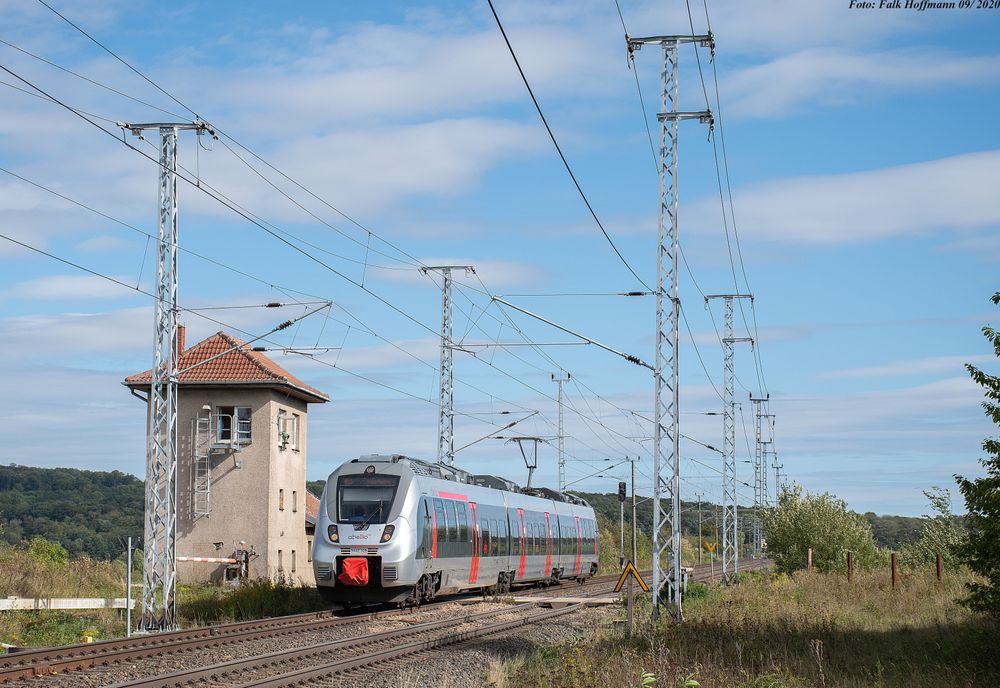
87,512
92,512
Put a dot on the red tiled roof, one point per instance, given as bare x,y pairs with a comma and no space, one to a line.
312,507
237,364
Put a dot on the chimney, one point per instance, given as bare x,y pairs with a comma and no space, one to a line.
181,331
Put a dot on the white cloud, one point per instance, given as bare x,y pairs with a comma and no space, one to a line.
69,288
828,76
102,244
931,365
955,193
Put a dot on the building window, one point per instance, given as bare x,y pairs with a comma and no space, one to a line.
281,565
233,424
295,500
309,552
293,561
281,500
288,430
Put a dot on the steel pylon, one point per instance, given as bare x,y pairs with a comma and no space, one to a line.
561,446
667,581
446,388
160,516
159,545
730,524
760,496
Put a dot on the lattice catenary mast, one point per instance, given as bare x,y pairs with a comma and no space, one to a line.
160,525
760,491
446,390
730,525
562,456
666,372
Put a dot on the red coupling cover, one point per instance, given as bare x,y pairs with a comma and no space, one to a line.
354,571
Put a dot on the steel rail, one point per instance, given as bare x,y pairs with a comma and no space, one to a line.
47,661
215,672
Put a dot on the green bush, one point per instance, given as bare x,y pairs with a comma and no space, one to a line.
47,552
820,522
941,534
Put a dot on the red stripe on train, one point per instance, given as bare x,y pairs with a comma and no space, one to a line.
474,566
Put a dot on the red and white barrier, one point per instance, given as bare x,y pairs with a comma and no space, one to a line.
208,560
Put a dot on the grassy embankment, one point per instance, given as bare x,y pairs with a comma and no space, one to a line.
776,631
22,575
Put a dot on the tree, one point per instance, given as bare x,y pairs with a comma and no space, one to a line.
940,534
820,522
981,551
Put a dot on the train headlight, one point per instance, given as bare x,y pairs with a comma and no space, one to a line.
331,531
387,533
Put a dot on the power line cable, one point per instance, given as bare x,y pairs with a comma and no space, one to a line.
555,143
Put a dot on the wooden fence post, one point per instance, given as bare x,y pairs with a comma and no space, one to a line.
809,559
938,564
892,559
850,566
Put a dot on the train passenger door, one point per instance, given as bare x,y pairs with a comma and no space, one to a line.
523,549
476,538
427,529
579,545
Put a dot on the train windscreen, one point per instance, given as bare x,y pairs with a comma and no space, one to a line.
366,498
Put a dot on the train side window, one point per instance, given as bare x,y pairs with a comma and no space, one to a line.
452,521
463,523
484,528
498,529
441,520
505,543
515,539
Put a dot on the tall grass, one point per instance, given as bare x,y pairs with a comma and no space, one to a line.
23,573
810,629
256,599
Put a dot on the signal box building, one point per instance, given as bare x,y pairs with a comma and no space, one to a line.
241,463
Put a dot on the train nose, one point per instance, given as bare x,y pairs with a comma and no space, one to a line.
354,571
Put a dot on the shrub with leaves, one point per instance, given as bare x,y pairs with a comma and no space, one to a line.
941,534
822,522
981,550
47,552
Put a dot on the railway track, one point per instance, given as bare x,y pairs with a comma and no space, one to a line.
302,661
57,660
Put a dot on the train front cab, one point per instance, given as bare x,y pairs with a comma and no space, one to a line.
366,538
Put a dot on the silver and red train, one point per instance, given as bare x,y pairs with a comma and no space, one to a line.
396,529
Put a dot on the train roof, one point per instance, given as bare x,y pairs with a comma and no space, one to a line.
445,472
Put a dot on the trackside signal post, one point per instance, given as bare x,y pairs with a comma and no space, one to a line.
160,522
666,371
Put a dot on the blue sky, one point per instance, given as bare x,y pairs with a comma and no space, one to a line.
863,155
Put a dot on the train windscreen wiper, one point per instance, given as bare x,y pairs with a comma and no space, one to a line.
364,524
